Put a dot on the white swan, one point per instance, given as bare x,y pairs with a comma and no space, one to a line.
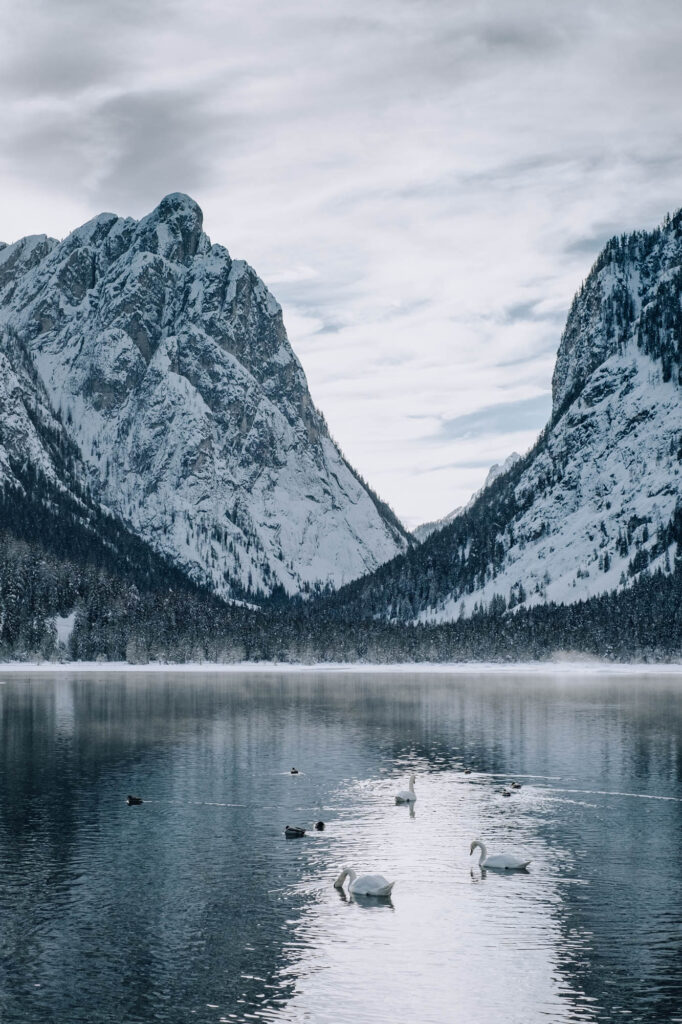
501,861
407,796
364,885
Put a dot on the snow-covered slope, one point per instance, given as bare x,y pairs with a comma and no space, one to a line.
497,469
602,490
167,363
590,507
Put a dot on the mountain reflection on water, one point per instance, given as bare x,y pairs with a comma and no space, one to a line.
194,906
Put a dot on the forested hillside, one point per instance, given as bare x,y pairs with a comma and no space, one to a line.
132,605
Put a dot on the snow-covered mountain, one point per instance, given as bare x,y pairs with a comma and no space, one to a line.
592,506
166,364
425,530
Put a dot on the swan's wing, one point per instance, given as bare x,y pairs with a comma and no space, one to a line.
372,885
506,860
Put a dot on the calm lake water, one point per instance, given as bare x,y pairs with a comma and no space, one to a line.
194,907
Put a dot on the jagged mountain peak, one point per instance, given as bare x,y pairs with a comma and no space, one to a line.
174,229
21,256
179,206
170,368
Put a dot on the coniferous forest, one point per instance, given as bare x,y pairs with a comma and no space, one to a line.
131,605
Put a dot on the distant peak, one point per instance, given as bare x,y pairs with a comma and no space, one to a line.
174,228
179,203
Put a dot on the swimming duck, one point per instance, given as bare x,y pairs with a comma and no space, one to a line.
132,801
516,785
294,771
319,826
505,792
294,832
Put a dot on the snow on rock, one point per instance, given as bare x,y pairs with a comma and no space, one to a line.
609,471
25,418
167,363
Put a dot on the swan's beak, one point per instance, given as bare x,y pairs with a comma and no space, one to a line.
471,848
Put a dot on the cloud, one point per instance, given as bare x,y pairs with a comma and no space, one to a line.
425,185
84,44
504,417
590,245
157,141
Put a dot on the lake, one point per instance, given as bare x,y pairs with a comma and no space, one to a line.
194,907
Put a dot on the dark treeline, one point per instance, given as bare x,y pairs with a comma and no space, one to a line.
86,562
61,555
131,605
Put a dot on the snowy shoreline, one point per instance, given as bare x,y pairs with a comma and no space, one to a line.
447,668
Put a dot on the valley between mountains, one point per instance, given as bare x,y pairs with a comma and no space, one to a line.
169,489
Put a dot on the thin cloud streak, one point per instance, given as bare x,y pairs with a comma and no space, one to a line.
424,185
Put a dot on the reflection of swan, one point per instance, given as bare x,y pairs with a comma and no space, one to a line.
407,796
371,902
501,861
366,902
412,814
364,885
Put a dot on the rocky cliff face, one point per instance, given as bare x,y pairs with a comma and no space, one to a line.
633,291
167,363
592,506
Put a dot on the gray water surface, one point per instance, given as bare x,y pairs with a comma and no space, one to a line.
194,907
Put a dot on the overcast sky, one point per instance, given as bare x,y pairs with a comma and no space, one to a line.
422,184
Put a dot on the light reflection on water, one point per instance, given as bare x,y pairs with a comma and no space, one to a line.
194,907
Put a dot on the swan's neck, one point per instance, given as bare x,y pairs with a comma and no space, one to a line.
411,786
346,873
484,852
